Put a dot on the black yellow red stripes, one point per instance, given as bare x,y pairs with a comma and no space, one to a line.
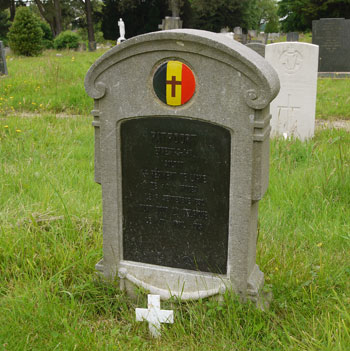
174,83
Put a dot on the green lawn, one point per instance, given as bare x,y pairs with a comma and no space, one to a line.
51,238
55,84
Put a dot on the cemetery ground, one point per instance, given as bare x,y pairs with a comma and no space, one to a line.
51,225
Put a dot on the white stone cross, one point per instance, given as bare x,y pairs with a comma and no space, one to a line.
154,315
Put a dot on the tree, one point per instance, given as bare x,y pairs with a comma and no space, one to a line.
52,13
11,5
299,14
25,34
139,16
4,24
266,12
90,24
214,15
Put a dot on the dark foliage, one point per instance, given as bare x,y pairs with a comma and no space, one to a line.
300,13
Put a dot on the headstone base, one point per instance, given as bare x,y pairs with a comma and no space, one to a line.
170,23
215,285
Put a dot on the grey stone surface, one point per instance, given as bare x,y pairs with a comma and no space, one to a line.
234,87
332,35
3,66
257,47
253,33
237,30
292,36
263,37
293,110
171,23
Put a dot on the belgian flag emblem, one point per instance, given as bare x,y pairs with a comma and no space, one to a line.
174,83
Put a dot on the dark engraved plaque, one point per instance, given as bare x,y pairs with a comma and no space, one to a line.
333,36
175,184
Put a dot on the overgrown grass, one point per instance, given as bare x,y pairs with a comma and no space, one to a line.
51,237
333,98
55,84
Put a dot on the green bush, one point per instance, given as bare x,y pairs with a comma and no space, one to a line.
4,26
67,40
47,41
25,35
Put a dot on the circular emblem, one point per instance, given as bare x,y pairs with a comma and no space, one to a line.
291,60
174,83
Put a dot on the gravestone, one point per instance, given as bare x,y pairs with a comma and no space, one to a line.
182,130
332,35
263,37
253,33
173,21
237,30
228,35
292,36
257,47
293,110
170,23
273,36
3,66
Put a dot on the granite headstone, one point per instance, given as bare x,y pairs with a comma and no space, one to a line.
3,66
257,47
292,36
332,35
293,110
170,23
182,153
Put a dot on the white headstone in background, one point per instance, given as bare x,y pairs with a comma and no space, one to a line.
293,110
237,30
228,35
154,315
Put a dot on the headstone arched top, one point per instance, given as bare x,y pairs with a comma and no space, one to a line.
261,83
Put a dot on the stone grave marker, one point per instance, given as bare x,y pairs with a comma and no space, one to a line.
182,130
257,47
170,23
173,21
293,110
3,66
253,33
237,30
292,36
332,35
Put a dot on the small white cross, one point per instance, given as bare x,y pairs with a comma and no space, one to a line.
154,315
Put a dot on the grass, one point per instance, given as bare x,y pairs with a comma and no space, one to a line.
51,238
48,83
55,84
333,98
